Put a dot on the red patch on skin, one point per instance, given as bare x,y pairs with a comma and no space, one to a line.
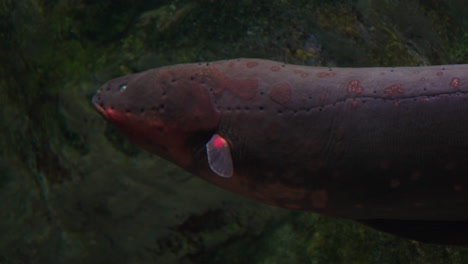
251,64
319,198
302,73
231,64
117,117
354,87
394,89
154,135
455,82
424,99
322,74
275,68
382,73
281,93
113,115
457,187
354,104
246,89
397,103
439,73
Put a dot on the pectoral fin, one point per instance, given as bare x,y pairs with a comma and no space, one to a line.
219,156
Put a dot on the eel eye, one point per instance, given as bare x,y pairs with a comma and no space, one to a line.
122,87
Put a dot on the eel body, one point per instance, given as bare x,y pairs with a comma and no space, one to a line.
384,146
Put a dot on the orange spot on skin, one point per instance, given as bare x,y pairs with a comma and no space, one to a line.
304,75
275,68
354,87
394,89
321,74
455,82
325,74
319,198
281,93
457,187
251,64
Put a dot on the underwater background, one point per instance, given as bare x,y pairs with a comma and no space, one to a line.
73,190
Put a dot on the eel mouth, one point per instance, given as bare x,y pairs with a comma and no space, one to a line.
97,103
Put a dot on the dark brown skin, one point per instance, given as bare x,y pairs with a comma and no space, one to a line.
384,146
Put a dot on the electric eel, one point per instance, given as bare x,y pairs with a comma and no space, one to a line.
387,147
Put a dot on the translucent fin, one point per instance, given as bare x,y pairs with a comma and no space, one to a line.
219,156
